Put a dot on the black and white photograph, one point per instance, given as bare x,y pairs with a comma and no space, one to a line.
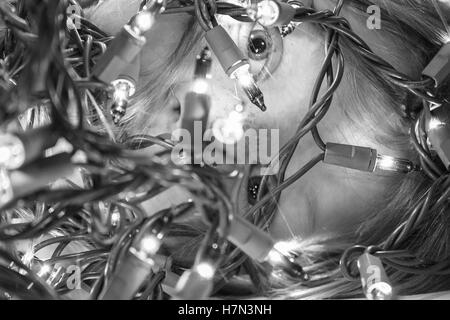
226,156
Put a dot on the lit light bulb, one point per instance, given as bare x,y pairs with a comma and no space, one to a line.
115,218
275,257
12,151
270,13
285,262
387,163
124,89
144,21
260,246
229,130
434,124
248,84
45,269
150,245
234,63
127,44
206,270
196,284
146,18
200,86
364,159
21,148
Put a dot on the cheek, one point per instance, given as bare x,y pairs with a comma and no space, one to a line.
287,92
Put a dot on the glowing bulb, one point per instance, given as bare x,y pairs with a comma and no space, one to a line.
275,257
144,21
200,86
124,90
229,130
150,245
248,84
281,258
280,251
268,12
435,123
206,270
387,163
45,269
12,151
446,38
239,108
234,63
115,218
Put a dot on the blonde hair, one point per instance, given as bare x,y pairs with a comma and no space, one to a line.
410,27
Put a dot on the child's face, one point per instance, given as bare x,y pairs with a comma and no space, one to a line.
327,199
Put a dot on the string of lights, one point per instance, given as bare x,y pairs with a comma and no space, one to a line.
76,75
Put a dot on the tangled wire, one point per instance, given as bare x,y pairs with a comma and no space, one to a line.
46,69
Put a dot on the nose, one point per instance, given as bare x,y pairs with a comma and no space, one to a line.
225,95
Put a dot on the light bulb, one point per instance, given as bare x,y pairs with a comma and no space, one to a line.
193,285
275,257
387,163
248,84
364,159
33,177
146,18
12,151
229,130
19,149
45,269
123,90
150,245
200,86
206,270
115,218
260,246
286,263
270,13
235,64
144,21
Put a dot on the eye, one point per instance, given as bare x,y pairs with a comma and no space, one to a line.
265,51
259,45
